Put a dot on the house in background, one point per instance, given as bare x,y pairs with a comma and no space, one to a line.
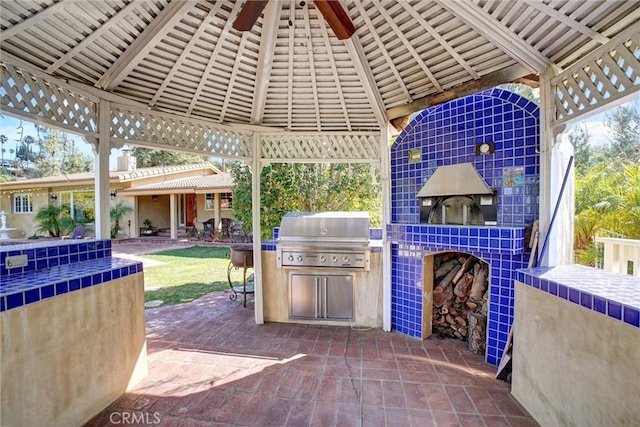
170,197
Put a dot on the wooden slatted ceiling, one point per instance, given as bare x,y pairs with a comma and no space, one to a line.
196,65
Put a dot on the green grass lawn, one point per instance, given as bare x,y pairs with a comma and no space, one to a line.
187,274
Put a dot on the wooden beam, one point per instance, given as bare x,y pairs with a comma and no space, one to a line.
143,44
506,75
336,17
249,14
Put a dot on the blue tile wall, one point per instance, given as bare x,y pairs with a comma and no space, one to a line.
611,294
445,135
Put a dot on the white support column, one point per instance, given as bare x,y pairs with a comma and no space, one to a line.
174,215
256,169
546,204
101,168
385,173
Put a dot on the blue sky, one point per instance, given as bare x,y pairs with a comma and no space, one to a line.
10,128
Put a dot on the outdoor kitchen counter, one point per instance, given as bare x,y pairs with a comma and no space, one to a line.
367,294
576,351
72,322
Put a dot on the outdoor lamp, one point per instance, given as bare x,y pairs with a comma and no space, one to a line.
112,195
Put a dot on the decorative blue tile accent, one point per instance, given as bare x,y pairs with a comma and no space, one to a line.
57,273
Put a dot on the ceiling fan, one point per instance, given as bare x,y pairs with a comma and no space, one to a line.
331,10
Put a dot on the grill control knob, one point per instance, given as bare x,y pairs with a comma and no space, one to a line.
323,258
290,258
345,259
334,259
299,258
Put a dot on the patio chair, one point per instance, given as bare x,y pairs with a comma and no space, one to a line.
227,224
209,229
78,233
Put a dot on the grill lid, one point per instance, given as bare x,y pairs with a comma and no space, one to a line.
324,227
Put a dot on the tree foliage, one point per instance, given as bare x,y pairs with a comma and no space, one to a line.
57,154
55,221
308,187
623,124
116,213
146,157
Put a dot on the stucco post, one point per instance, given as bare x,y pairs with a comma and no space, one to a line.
256,168
546,145
101,167
173,216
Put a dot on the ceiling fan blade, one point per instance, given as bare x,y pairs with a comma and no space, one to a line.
336,17
249,14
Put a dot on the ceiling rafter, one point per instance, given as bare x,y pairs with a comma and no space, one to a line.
494,31
92,37
34,20
561,17
334,71
292,24
265,60
143,44
232,77
186,51
440,40
487,81
312,68
407,45
385,53
212,59
366,78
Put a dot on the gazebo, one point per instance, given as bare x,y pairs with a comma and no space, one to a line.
306,81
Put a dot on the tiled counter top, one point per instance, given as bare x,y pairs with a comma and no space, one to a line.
58,267
615,295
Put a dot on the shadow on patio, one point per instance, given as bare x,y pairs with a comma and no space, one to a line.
210,364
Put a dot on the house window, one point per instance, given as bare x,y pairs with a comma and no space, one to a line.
209,201
22,203
226,200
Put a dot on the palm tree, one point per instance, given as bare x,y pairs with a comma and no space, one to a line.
48,219
116,213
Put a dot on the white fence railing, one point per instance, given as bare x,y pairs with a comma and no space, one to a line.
621,255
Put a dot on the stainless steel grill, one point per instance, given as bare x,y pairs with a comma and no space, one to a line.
324,240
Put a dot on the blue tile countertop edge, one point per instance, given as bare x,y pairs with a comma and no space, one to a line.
28,288
612,294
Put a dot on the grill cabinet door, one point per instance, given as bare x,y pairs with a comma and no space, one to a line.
337,297
303,296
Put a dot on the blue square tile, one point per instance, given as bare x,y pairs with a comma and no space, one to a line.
631,316
563,291
586,300
31,296
51,252
614,310
96,279
41,263
86,281
15,300
47,291
3,306
74,284
106,276
574,296
599,304
62,288
73,258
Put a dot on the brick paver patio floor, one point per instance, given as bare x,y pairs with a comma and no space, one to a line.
211,365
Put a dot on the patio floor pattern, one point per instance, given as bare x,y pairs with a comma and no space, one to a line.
211,365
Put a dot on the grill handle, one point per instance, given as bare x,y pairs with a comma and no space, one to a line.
317,280
324,296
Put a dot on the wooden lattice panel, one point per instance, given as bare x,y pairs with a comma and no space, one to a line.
597,82
354,147
41,99
133,127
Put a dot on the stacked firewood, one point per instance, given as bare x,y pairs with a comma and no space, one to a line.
460,289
